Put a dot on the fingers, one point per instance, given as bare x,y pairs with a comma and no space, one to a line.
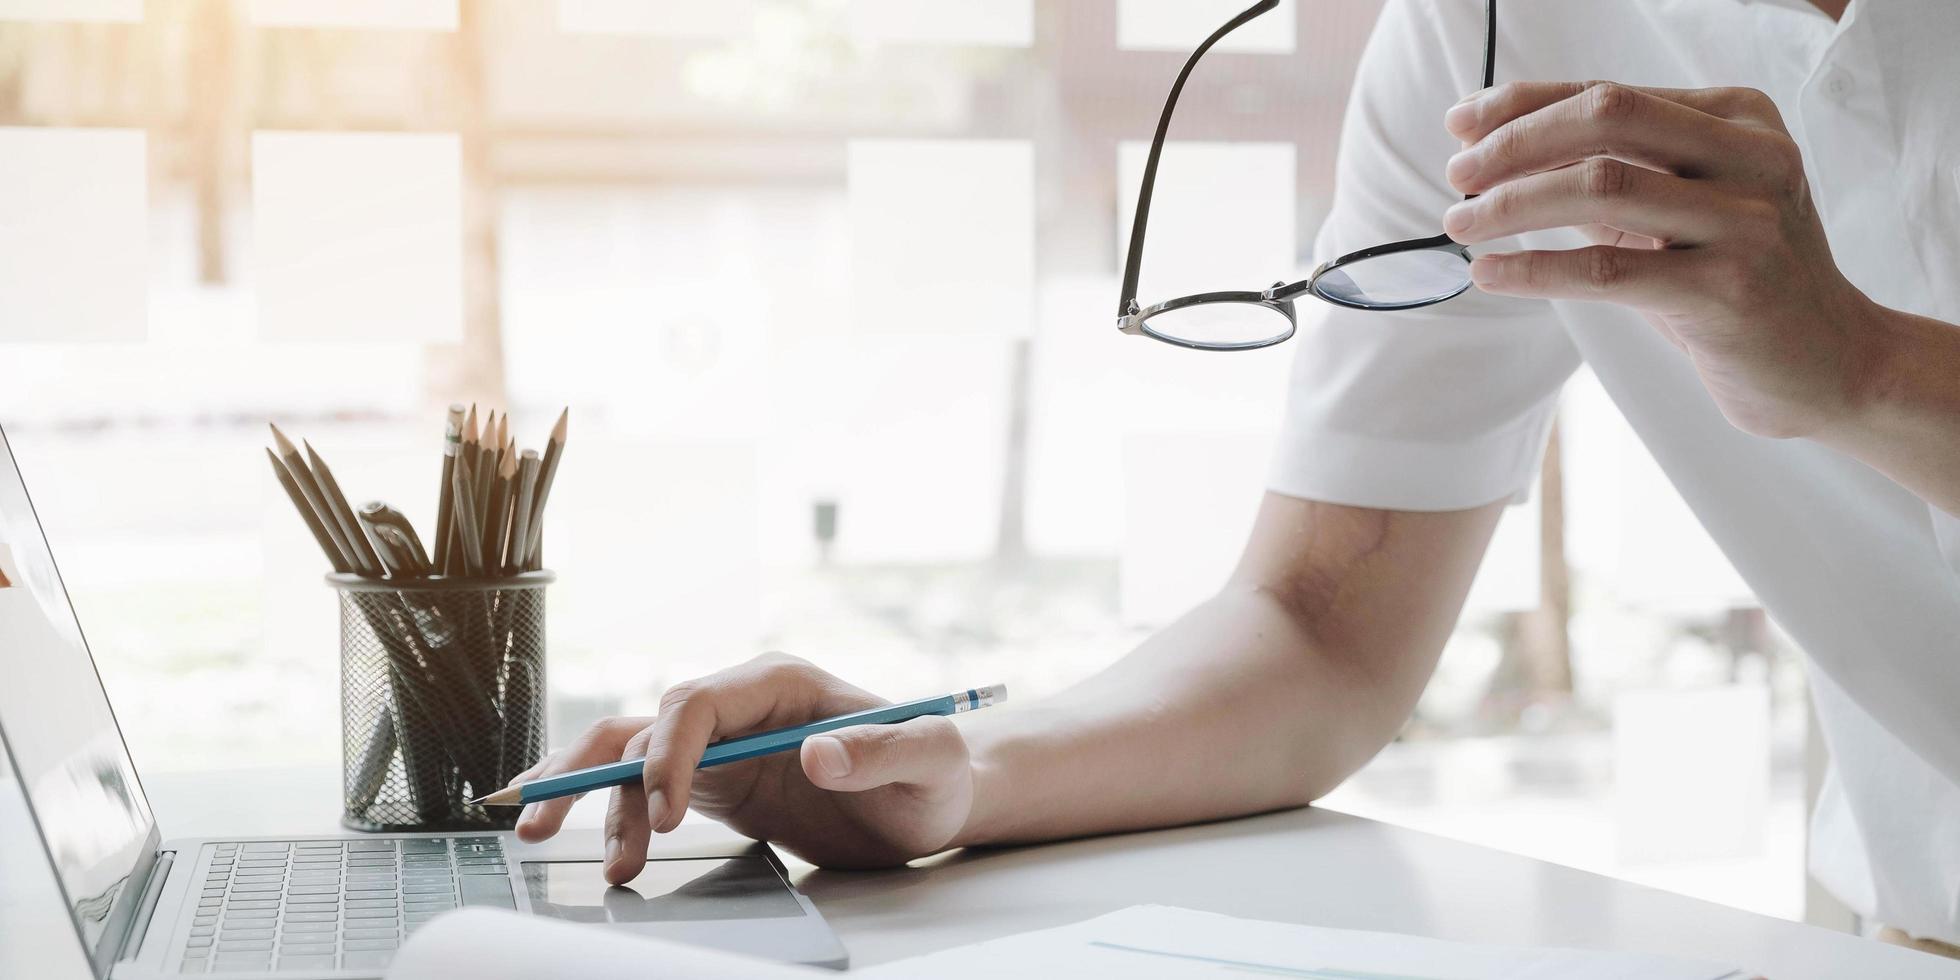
1607,120
1651,279
1478,115
926,752
1667,209
628,826
766,692
601,743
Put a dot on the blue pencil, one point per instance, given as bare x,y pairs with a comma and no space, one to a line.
747,747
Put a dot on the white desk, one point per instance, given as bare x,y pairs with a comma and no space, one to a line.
1309,866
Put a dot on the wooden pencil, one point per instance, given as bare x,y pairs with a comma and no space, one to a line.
465,456
554,450
527,492
485,475
503,440
365,555
310,489
498,524
469,534
307,514
452,440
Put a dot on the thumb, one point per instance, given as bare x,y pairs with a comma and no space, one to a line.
924,751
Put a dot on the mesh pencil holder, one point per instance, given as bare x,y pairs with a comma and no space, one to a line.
441,697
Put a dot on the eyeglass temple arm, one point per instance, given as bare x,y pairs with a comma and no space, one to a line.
1284,291
1133,264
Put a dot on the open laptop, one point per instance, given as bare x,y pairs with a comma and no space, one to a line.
300,906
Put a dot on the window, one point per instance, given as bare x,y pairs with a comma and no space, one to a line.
828,288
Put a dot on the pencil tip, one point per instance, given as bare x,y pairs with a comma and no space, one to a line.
558,431
285,444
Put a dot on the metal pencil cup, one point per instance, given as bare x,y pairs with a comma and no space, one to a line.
441,697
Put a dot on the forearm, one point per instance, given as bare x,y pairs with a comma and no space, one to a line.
1265,696
1905,420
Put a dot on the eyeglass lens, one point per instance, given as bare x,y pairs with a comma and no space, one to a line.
1396,280
1220,324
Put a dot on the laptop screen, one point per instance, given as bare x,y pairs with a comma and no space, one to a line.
67,752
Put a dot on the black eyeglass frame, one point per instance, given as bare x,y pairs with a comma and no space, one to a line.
1134,319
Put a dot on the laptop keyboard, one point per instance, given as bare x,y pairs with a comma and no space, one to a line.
271,906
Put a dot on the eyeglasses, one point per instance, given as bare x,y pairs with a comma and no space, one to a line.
1396,276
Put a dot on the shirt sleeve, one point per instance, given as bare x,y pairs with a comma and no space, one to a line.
1442,408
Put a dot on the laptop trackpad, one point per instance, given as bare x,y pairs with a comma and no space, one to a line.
673,890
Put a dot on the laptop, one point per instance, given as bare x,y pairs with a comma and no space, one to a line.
301,905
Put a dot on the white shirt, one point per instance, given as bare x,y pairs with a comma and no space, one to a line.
1449,407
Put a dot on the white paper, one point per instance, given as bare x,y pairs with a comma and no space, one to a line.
485,945
1152,941
1141,943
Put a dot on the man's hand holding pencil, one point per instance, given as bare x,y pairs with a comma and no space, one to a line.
865,796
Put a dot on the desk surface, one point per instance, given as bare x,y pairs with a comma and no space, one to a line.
1308,866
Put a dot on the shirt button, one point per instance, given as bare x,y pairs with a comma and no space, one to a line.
1837,84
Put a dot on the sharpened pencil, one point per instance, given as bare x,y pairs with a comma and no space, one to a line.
527,491
310,489
465,456
307,514
498,525
485,475
554,450
469,535
364,553
452,442
746,747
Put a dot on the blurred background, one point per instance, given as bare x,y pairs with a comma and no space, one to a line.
828,287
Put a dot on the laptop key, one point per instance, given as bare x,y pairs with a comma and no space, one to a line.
292,928
307,962
356,959
352,933
389,943
231,914
387,913
486,890
197,942
328,916
385,902
237,945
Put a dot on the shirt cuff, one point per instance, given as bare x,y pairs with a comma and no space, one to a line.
1391,474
